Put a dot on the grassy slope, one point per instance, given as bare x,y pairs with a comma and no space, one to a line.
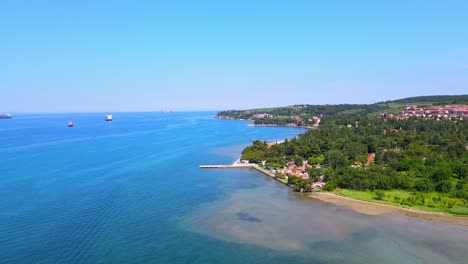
431,200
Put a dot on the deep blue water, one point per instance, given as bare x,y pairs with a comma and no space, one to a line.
130,191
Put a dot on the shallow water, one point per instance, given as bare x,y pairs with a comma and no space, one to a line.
266,214
130,191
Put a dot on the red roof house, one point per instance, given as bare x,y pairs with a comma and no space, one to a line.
370,158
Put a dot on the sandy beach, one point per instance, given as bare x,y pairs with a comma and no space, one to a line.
371,208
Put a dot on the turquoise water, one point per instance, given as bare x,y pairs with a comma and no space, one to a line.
130,191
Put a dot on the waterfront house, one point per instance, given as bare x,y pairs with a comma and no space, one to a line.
370,158
318,185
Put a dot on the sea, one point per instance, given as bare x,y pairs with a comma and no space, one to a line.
131,191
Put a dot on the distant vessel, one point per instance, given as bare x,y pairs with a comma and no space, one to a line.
5,116
108,117
70,124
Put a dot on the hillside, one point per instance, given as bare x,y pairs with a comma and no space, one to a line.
312,115
434,99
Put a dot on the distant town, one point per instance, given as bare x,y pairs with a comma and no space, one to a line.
447,112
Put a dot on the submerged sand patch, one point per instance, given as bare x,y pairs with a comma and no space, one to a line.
256,211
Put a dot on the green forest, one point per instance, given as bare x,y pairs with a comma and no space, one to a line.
414,155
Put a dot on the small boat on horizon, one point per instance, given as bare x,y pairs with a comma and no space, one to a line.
5,116
70,124
108,117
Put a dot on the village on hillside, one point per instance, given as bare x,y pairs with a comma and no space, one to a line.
439,112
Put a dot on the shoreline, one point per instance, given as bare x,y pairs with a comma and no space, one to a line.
376,209
273,125
359,206
370,208
266,125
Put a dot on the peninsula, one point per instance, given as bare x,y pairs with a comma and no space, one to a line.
410,153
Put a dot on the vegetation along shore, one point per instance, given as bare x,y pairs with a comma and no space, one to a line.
375,208
409,153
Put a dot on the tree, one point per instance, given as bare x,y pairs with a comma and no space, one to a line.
444,186
442,172
424,185
334,158
460,170
299,160
354,149
255,153
314,174
293,180
372,144
303,185
317,160
330,186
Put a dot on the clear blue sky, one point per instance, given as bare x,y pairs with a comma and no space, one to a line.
72,56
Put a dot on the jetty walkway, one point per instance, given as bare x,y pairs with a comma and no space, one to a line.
233,166
238,165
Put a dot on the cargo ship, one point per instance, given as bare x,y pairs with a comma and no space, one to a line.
5,116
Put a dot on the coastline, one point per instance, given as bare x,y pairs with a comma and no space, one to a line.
376,209
273,125
266,125
360,206
370,208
